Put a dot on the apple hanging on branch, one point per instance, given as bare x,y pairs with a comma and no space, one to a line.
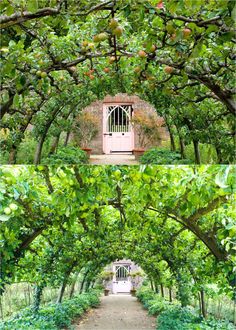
160,5
186,32
169,69
142,54
113,23
100,37
112,59
106,70
138,69
153,48
118,31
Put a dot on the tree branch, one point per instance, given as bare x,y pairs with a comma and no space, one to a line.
215,203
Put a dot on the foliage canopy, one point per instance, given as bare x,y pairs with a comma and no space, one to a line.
59,56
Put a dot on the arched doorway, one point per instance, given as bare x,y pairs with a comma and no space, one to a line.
118,134
121,279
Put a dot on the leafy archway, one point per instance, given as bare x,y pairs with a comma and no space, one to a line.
175,222
178,55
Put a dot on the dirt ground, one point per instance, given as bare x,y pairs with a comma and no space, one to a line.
117,312
113,160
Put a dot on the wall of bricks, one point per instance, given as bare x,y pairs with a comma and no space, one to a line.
138,104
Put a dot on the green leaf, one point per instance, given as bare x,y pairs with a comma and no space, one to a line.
4,217
32,5
157,22
10,10
16,100
221,178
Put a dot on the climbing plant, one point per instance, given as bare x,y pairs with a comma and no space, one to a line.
58,56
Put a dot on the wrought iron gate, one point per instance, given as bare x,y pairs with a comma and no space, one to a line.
118,131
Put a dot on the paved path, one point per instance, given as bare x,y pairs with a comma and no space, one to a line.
113,160
118,312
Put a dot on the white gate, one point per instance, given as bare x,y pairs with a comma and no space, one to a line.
118,135
121,280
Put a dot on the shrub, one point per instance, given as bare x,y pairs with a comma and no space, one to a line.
184,318
86,128
213,324
173,316
147,127
53,316
67,155
177,318
157,306
162,156
144,294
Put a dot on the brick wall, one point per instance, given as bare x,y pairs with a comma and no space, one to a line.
97,108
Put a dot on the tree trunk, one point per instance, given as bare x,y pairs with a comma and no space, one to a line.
219,309
38,152
162,291
152,286
170,295
183,292
235,310
219,155
83,282
22,128
203,303
72,290
172,140
28,287
67,139
39,148
62,290
1,308
38,291
54,145
12,155
156,287
65,281
182,147
87,286
196,152
200,304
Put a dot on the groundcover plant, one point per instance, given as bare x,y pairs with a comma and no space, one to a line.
58,56
176,222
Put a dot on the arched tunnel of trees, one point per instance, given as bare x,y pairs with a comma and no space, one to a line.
176,222
59,56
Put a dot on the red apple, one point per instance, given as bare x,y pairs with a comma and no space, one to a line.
160,5
187,32
142,54
169,69
106,70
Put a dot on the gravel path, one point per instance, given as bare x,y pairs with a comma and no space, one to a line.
113,160
117,312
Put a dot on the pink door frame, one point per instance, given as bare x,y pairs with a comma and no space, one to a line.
107,137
